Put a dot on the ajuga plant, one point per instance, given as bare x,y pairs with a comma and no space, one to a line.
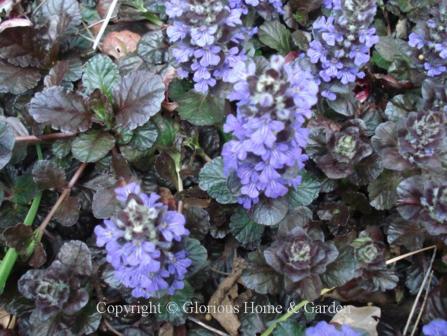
369,252
423,199
301,257
429,41
60,291
267,8
338,149
342,41
208,38
143,244
416,140
284,151
273,100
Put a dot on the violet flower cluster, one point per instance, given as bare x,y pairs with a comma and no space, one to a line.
325,329
272,6
273,101
143,244
207,37
430,39
342,41
435,328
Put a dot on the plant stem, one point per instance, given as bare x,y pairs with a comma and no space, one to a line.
290,312
10,258
40,230
153,18
45,137
177,158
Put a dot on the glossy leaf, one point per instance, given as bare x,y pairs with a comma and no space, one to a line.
137,98
92,146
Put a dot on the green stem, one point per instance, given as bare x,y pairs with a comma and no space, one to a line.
176,157
153,18
10,258
290,312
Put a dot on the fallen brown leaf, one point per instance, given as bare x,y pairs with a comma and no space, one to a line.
121,43
364,318
225,295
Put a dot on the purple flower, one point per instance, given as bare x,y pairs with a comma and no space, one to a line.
341,43
266,152
207,39
172,226
122,193
263,7
143,243
325,329
435,328
428,40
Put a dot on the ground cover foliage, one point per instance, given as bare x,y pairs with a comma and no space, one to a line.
223,153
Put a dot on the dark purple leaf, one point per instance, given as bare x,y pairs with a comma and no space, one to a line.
39,257
104,203
18,237
48,175
68,212
17,80
19,47
63,111
138,97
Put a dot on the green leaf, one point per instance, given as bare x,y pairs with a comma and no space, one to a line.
289,328
152,48
201,110
200,332
382,191
171,307
144,137
246,231
100,73
306,192
92,146
166,131
400,105
391,49
213,181
61,148
198,255
380,61
276,36
270,211
7,140
178,88
342,270
24,190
